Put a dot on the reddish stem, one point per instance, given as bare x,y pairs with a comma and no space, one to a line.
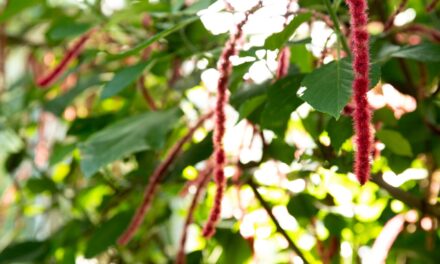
71,54
361,114
155,178
204,179
225,68
283,62
390,20
284,55
145,94
431,33
432,6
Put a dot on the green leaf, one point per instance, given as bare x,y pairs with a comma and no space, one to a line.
194,154
329,88
142,132
395,142
106,234
280,150
335,224
250,106
235,248
84,127
154,38
426,52
339,131
282,100
66,27
302,57
39,185
28,251
243,95
124,78
277,40
302,206
15,7
60,151
60,103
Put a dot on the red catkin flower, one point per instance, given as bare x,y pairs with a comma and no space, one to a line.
71,54
361,113
201,183
153,184
284,55
225,68
283,62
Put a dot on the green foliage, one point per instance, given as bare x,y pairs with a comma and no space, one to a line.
142,132
328,88
75,156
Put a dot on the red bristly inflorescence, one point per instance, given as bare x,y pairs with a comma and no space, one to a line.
361,114
225,68
283,62
154,181
284,55
71,54
202,181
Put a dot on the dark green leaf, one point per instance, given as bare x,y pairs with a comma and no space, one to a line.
328,89
124,78
60,152
426,52
133,134
246,93
59,104
39,185
235,248
335,224
106,234
84,127
282,100
66,28
28,251
339,131
277,40
280,150
302,206
250,106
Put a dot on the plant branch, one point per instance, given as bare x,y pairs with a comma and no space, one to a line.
337,28
268,209
203,181
155,179
145,94
406,197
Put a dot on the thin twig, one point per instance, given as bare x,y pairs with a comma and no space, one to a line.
406,197
204,175
390,21
432,6
336,27
268,209
145,94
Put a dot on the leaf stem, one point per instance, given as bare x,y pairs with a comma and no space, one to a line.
337,28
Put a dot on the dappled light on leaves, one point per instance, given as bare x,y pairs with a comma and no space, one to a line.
228,131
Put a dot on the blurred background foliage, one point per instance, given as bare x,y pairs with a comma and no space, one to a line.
75,156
